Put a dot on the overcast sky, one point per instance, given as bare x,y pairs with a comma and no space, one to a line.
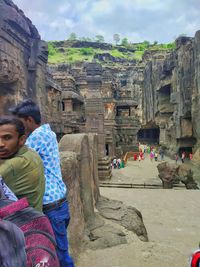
138,20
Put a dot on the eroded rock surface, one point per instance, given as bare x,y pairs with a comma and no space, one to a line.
172,173
106,236
128,217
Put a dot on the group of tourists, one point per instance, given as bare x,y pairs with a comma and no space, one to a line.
30,168
117,163
183,156
153,152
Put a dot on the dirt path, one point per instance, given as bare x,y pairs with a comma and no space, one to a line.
172,219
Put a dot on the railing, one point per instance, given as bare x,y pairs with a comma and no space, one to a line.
130,154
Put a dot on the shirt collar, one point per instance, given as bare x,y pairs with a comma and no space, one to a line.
21,151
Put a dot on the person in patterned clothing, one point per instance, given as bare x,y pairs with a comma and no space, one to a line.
43,140
5,192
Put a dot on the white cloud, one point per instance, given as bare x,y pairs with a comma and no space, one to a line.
191,28
64,8
137,20
69,23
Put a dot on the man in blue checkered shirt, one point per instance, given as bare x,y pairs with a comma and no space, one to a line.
43,140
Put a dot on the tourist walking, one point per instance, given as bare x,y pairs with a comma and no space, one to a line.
161,152
115,163
176,158
119,163
122,163
43,140
156,156
183,156
151,155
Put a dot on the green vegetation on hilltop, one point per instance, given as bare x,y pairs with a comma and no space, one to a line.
127,51
69,54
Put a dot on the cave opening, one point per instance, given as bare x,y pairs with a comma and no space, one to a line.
185,145
165,90
107,149
187,151
149,136
123,111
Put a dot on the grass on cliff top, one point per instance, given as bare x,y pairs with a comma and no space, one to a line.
68,55
71,55
59,55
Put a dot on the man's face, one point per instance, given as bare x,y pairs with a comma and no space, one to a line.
10,142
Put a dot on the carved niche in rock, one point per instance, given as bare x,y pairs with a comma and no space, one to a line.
109,110
10,71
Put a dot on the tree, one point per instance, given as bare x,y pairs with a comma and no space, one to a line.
116,38
72,36
51,49
99,38
146,44
86,39
124,41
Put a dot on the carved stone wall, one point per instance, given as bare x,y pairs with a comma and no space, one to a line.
23,57
196,90
171,94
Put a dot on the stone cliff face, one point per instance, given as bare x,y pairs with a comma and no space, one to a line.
196,89
23,58
170,94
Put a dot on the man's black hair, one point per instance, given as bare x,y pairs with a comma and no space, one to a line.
27,108
4,120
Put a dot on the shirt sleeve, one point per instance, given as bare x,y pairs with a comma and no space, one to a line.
6,191
37,143
6,171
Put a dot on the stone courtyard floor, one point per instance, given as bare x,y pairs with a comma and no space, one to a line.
171,217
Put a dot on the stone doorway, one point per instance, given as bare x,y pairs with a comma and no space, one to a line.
149,136
107,149
187,150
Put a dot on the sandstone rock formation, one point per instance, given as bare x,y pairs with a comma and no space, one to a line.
171,94
128,217
23,58
79,168
171,174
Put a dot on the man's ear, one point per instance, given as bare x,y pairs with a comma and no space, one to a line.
22,140
29,119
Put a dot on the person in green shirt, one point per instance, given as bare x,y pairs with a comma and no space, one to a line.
21,168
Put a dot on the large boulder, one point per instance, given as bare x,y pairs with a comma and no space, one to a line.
128,217
93,146
167,174
185,175
70,173
79,143
88,227
172,173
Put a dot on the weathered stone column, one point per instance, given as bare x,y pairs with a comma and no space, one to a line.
94,109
